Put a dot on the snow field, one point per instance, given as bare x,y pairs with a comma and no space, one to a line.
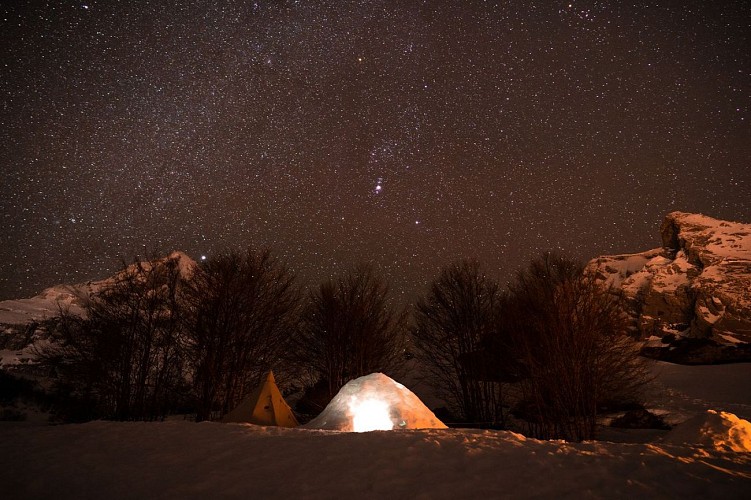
212,460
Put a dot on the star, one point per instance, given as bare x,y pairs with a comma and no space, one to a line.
202,129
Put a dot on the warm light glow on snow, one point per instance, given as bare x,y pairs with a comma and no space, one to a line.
375,402
370,415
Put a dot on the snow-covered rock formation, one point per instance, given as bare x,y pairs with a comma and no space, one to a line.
375,402
698,285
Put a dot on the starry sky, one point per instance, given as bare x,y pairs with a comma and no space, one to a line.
403,133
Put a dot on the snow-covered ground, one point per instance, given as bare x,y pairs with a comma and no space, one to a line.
212,460
681,391
181,459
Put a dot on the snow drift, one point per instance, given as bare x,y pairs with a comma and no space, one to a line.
375,402
715,430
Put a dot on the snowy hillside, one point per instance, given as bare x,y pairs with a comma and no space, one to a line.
697,285
48,303
43,306
19,319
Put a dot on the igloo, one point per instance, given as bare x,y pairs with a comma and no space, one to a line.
375,402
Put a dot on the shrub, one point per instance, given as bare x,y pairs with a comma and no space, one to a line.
451,323
350,328
570,333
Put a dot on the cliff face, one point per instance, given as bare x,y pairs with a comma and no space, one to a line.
697,285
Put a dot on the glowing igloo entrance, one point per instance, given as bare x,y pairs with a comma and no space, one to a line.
375,402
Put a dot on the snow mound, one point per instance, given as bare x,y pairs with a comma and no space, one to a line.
720,431
375,402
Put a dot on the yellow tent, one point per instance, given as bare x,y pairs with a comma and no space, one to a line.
264,406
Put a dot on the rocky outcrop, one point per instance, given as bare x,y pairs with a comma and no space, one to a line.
698,285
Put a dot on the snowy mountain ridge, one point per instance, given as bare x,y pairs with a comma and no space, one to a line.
697,285
47,304
21,320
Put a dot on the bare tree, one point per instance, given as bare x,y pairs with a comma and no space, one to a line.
451,324
123,355
241,312
350,328
571,335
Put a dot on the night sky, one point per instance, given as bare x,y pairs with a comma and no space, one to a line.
403,133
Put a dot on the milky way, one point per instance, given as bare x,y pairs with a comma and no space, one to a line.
402,133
